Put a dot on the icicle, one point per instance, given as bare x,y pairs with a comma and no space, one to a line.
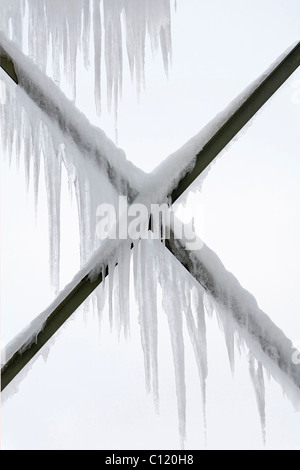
226,325
140,274
151,299
111,270
28,132
257,378
4,96
124,256
9,126
72,57
173,303
56,31
229,340
145,283
86,33
116,126
17,139
56,56
115,306
101,295
27,128
113,49
36,164
197,333
135,17
97,54
208,305
52,163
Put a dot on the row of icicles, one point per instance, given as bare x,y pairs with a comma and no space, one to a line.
99,28
27,133
104,31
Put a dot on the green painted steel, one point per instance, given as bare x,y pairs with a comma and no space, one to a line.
7,65
215,145
55,320
240,118
246,314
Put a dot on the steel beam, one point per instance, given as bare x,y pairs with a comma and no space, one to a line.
55,320
240,118
71,122
8,66
217,142
251,322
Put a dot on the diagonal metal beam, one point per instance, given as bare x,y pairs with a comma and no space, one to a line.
53,322
8,66
216,143
71,122
256,328
240,118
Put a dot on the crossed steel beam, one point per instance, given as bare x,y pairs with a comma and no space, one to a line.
255,326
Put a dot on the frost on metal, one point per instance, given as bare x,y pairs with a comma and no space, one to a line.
37,135
187,305
27,131
104,31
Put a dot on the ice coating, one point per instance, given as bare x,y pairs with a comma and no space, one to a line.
52,32
257,378
29,131
187,304
174,306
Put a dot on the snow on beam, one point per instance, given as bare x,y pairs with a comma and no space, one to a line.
238,114
180,169
265,340
89,139
7,65
40,330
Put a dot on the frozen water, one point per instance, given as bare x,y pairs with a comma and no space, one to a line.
53,33
185,302
257,377
42,138
39,139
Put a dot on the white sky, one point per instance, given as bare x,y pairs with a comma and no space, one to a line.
90,393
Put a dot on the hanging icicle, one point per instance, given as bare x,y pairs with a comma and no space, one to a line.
257,378
53,33
26,129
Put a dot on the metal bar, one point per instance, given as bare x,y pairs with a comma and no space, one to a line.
55,320
8,66
254,325
217,142
241,117
51,100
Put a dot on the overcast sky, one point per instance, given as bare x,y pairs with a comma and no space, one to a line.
90,393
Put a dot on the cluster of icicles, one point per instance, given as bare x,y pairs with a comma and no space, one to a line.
27,131
99,28
35,137
53,32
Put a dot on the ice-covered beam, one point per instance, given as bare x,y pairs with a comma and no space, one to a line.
181,170
7,65
278,73
45,326
89,139
265,340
